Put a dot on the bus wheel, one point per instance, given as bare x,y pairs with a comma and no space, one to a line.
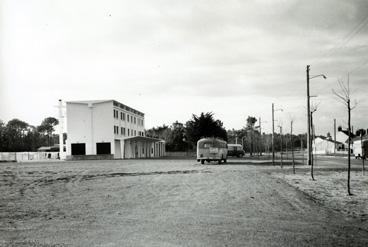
225,160
202,162
219,161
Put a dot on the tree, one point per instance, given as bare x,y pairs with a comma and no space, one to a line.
161,132
176,140
14,135
251,121
3,139
47,127
329,136
204,125
344,95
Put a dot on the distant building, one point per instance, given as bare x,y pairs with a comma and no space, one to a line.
325,145
108,129
360,146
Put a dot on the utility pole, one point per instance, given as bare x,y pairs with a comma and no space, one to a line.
260,132
61,127
292,144
335,136
308,121
281,145
349,141
273,133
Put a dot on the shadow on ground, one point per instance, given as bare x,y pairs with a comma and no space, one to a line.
255,163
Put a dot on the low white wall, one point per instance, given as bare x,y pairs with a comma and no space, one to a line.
25,156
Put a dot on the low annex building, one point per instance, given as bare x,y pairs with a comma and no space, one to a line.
108,129
325,145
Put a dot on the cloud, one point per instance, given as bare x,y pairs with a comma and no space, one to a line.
228,53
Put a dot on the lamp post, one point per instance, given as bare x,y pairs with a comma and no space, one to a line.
309,140
273,132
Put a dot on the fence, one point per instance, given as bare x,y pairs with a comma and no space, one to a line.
27,156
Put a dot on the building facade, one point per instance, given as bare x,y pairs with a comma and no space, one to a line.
108,128
325,145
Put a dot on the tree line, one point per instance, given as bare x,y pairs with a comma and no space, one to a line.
184,137
18,136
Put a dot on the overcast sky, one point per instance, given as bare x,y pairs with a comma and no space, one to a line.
170,59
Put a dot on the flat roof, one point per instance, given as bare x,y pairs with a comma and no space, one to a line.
143,138
115,103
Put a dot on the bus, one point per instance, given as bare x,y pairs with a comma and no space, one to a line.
235,150
211,149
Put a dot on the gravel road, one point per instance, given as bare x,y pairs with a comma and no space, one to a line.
162,203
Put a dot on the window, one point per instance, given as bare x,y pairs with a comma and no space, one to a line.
135,132
135,120
121,131
116,114
121,115
128,132
131,119
128,117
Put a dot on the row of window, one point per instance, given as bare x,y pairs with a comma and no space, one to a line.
128,118
127,108
127,132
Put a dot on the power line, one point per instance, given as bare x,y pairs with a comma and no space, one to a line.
359,67
357,29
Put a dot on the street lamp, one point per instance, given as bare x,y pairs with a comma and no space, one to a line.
273,132
309,140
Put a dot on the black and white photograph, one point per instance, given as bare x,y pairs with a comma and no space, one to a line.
183,123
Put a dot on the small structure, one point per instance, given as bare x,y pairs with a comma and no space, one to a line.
107,129
325,145
360,146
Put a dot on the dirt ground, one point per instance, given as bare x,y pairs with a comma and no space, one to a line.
330,189
162,203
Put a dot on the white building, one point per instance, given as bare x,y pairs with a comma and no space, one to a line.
360,146
108,129
324,145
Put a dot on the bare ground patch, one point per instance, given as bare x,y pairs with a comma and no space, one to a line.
330,189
